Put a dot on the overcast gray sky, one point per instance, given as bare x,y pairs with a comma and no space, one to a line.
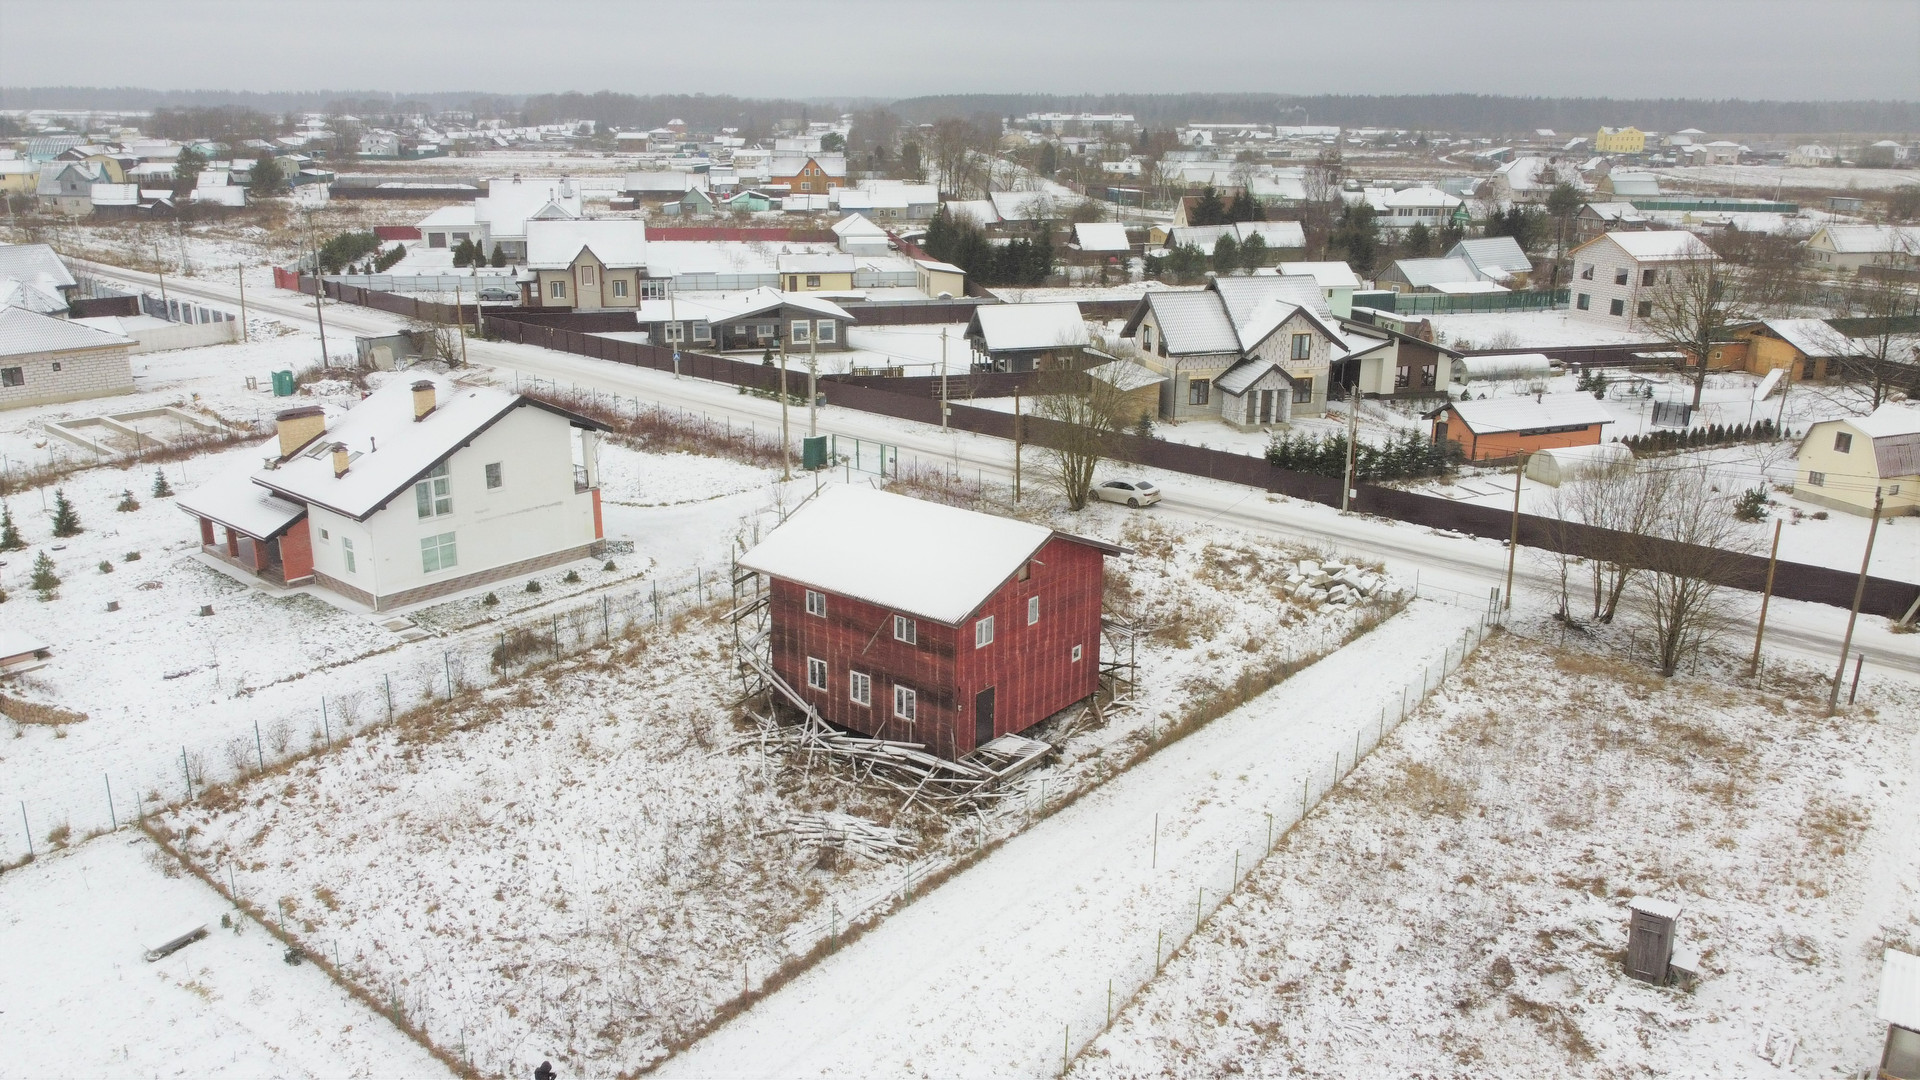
1809,49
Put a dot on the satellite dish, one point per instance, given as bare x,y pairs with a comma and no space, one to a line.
1765,389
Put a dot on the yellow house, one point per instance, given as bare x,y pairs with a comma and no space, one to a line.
831,272
1842,462
1621,140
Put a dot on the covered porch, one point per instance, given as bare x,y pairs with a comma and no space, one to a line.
254,530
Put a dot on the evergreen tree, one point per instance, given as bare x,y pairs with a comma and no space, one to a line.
66,520
44,579
1449,235
1245,208
463,253
1210,210
161,489
1357,237
1418,243
1226,254
1253,252
128,503
499,257
187,169
268,177
9,532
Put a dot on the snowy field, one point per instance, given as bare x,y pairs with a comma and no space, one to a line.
1459,907
572,864
1769,177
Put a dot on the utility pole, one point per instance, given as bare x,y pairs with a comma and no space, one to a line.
1859,591
1513,542
460,317
1016,444
813,380
673,319
1353,446
1773,560
786,448
943,379
319,292
242,275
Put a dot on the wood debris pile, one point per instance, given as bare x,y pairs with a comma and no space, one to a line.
844,832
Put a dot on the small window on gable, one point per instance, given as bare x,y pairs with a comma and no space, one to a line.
905,629
1302,346
493,474
983,633
1033,610
1842,442
1076,654
1620,276
816,603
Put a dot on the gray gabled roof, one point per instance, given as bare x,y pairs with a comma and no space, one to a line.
1493,253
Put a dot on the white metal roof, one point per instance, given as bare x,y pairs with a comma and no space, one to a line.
721,307
23,332
1668,244
236,501
1125,375
827,263
1426,273
619,243
1031,326
1245,374
1193,322
17,642
921,558
856,225
1490,415
1327,275
1493,253
1461,288
1900,989
1873,239
1101,236
32,262
1813,337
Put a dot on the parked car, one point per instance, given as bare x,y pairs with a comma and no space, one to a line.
505,295
1135,493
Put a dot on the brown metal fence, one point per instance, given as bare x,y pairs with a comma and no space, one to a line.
1796,581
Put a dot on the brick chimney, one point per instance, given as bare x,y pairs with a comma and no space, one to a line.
298,427
422,399
339,459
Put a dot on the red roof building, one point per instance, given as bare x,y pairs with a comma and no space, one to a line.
905,619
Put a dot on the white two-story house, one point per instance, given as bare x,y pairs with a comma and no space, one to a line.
423,489
1618,276
1251,351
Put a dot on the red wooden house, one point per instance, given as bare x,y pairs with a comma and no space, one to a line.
905,619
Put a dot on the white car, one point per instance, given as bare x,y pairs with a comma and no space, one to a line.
1135,493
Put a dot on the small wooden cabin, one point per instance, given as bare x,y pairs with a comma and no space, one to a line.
1503,427
905,619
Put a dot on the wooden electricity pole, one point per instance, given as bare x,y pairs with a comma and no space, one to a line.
1859,592
1773,560
786,447
242,275
1353,446
1513,541
1016,443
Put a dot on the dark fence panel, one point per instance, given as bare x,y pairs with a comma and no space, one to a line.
92,306
914,313
1796,581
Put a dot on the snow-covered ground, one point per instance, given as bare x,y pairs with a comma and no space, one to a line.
82,1001
1764,177
1459,907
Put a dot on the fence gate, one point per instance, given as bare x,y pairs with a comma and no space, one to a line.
862,455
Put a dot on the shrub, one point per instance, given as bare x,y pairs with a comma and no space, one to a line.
490,600
572,578
609,568
106,566
533,586
1751,505
131,556
128,503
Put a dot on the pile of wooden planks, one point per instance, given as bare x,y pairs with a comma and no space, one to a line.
844,832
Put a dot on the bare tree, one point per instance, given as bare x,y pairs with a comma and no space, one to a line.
1689,547
1690,306
1085,415
1614,500
1876,361
952,149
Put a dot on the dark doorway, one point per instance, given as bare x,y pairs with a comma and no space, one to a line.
983,717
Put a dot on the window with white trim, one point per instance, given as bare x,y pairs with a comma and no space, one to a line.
620,288
1076,654
1033,610
816,603
702,331
587,277
653,289
904,703
346,554
816,673
860,689
983,633
493,474
674,332
828,331
438,553
557,289
433,496
905,629
800,332
1842,442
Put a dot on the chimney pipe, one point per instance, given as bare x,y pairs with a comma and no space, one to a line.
339,459
298,427
423,402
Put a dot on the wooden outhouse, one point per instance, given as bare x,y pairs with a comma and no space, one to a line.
910,620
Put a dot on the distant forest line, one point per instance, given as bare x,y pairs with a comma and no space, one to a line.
1467,113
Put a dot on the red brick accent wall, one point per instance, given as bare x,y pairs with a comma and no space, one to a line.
296,552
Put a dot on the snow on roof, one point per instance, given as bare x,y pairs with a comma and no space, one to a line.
1025,205
1101,236
1422,196
720,307
1648,246
1616,211
1124,375
510,204
34,262
1426,273
1889,421
1029,326
921,558
856,225
1193,322
1327,275
1663,909
20,294
1900,989
1245,374
1242,295
981,211
618,243
1813,337
824,263
1493,253
1490,415
17,642
1461,288
672,181
1873,239
236,501
447,216
23,332
1274,234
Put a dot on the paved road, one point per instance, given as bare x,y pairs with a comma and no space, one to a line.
1469,567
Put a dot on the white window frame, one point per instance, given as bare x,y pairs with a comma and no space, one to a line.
905,703
702,331
799,334
1033,610
620,288
1843,442
346,555
441,551
589,277
557,289
816,673
1077,652
653,288
827,331
905,629
674,332
496,475
860,688
433,494
983,633
816,603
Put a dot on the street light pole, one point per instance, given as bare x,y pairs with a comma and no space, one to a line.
1859,591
